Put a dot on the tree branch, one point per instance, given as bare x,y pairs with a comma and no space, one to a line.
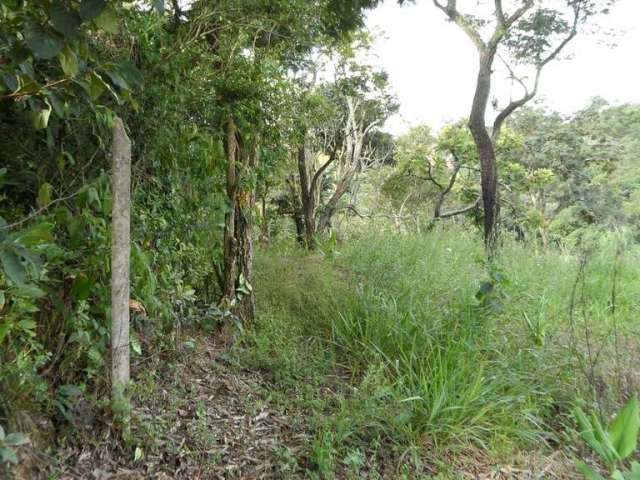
500,13
452,13
504,23
431,178
529,94
39,211
320,171
460,211
519,13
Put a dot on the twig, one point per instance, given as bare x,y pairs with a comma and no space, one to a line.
39,211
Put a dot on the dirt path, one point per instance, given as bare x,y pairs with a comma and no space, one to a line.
194,417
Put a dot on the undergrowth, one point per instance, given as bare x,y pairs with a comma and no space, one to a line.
402,346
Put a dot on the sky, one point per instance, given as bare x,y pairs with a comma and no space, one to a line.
432,65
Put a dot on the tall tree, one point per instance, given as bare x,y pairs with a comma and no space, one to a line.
531,35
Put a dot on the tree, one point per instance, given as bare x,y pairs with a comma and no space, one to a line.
342,139
531,36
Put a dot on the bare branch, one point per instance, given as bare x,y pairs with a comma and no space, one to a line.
519,13
512,107
463,22
320,171
431,178
452,180
39,211
572,33
460,211
513,76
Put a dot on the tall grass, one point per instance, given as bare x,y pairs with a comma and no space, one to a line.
448,368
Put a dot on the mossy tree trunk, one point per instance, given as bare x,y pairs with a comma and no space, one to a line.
238,242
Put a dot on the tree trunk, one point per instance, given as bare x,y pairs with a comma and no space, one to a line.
238,243
486,151
296,210
265,234
331,206
120,256
307,197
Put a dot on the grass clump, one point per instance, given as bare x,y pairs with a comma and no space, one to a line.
423,359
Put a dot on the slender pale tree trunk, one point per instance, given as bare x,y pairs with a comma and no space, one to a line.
120,255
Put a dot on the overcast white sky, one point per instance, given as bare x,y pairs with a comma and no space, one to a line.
432,65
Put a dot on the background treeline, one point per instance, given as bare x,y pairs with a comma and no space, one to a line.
563,178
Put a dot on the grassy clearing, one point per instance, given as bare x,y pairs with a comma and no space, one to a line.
426,364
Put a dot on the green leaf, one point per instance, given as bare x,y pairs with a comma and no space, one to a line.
65,21
7,455
130,73
29,290
611,454
27,85
2,299
1,433
588,472
623,431
27,325
41,117
10,81
587,434
81,287
12,266
69,62
37,235
93,198
138,454
117,79
5,327
16,439
90,9
634,473
42,43
94,85
108,20
58,103
44,194
617,475
19,53
134,343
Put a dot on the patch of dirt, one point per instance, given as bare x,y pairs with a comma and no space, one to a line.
195,417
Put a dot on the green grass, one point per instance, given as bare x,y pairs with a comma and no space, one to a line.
428,363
